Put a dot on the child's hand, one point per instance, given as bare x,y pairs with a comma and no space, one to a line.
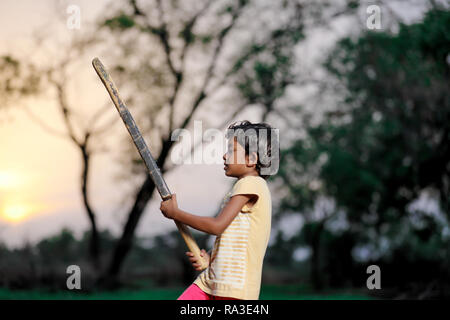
169,207
194,261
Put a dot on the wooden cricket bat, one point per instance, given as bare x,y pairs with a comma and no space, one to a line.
144,151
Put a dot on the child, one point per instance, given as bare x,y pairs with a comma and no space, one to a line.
243,225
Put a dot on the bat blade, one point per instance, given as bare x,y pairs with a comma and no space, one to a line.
145,153
135,134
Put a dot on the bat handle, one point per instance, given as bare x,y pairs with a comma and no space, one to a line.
191,244
187,237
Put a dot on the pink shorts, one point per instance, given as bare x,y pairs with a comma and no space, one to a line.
193,292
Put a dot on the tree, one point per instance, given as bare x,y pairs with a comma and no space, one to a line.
395,96
17,80
166,40
386,143
171,59
26,78
173,38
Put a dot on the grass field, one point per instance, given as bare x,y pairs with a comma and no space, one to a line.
267,293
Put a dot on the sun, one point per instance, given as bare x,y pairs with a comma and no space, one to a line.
13,209
15,212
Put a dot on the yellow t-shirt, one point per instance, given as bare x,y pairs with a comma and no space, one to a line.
237,257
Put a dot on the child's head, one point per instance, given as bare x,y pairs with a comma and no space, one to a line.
253,149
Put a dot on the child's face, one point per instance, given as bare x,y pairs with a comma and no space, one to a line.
237,164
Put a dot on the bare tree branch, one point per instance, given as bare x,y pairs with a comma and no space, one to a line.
65,110
43,125
188,30
221,125
220,41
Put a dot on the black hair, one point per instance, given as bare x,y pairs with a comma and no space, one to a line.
268,147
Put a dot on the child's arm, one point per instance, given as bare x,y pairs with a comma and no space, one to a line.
211,225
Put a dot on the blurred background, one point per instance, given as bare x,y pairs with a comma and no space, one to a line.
358,89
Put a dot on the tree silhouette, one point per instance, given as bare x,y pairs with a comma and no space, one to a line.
383,146
169,40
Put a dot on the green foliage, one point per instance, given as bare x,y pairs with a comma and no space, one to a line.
387,142
205,39
17,79
189,37
396,143
61,247
272,292
265,69
353,4
122,21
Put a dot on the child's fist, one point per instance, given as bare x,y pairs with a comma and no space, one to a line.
169,207
195,263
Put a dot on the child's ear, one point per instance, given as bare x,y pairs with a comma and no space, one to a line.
252,159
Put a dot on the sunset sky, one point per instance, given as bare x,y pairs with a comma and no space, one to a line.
39,172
